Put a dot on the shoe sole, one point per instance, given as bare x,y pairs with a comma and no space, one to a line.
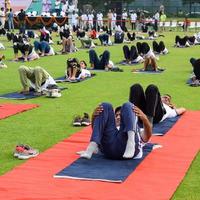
24,157
85,124
76,124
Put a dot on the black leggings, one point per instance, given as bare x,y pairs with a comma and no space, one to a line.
181,41
130,54
131,37
149,101
158,47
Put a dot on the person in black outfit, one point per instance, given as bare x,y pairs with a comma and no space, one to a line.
22,21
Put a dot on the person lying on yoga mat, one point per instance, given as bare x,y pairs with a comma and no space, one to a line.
124,142
144,50
102,62
43,48
159,48
156,107
76,70
131,55
196,72
36,78
185,41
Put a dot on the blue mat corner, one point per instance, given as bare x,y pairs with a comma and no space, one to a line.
163,127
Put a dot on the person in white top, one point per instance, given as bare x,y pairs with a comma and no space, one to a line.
99,20
76,70
84,21
57,7
133,18
2,18
74,20
124,18
90,20
113,22
157,19
156,107
65,7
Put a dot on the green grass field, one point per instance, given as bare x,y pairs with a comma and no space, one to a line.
51,122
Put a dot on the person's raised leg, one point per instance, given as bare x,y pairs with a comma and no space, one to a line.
104,61
103,130
94,60
133,53
129,125
126,53
154,106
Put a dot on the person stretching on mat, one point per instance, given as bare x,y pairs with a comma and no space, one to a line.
155,106
131,55
116,133
38,78
76,70
43,48
102,62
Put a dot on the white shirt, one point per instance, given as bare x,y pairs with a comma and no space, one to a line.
99,16
64,7
90,17
124,15
133,17
74,18
114,16
84,73
57,4
170,112
84,17
49,81
157,16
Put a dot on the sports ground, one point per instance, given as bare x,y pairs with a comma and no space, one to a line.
45,126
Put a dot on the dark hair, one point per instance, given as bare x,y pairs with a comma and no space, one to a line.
117,109
84,62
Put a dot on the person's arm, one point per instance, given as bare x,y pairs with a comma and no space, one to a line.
98,110
147,133
180,111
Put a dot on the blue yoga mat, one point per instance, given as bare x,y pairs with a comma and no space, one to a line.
148,72
102,169
19,96
16,95
163,127
123,62
63,79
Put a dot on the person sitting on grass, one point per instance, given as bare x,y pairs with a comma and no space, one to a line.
76,70
43,48
131,55
36,78
156,107
68,44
